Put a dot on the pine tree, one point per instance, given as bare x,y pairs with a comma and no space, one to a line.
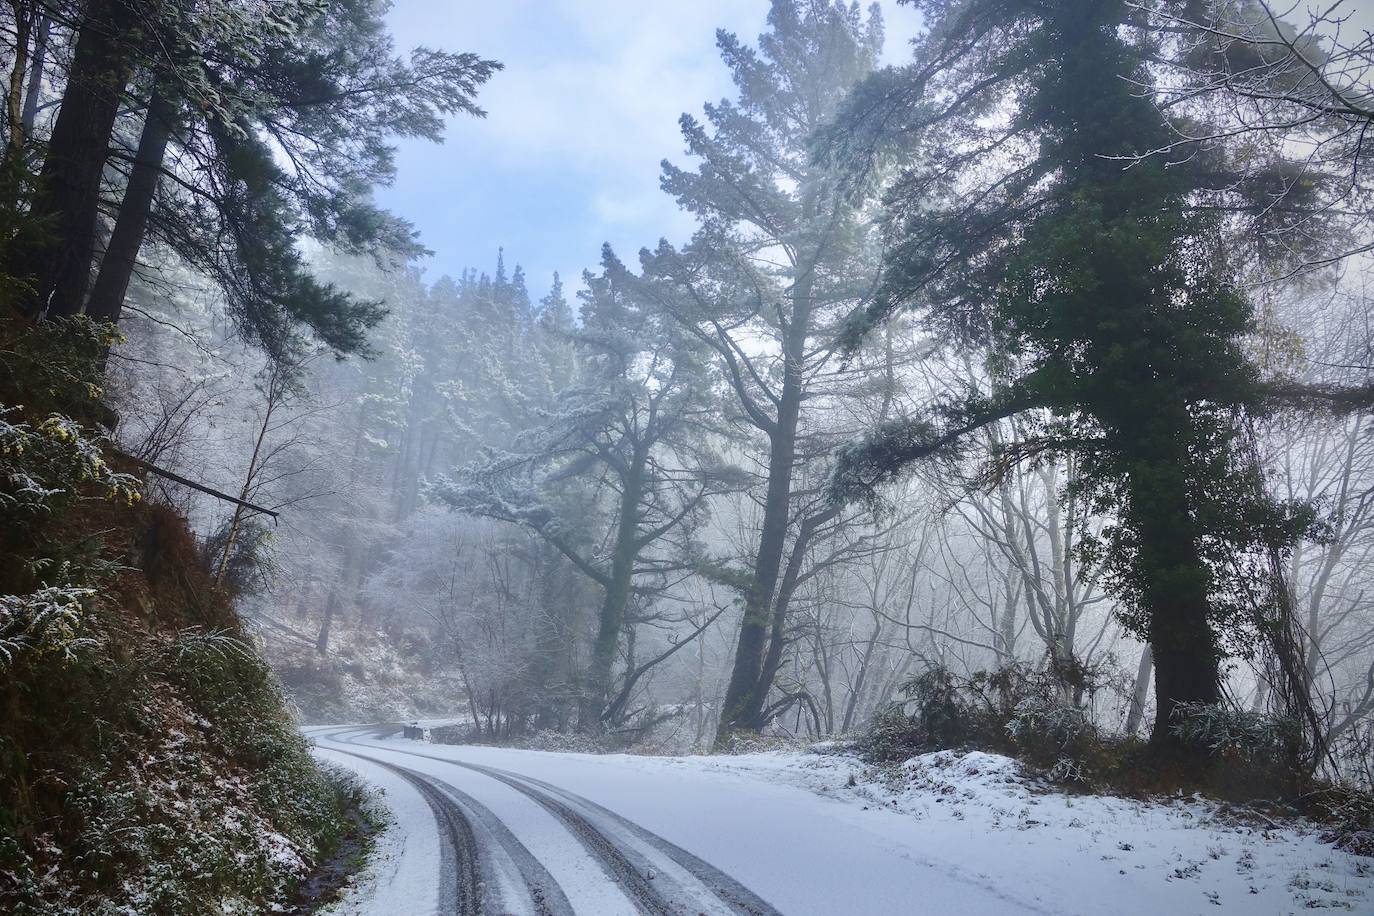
781,255
1105,296
224,86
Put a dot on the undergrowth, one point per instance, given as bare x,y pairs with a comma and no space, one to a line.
1228,754
147,761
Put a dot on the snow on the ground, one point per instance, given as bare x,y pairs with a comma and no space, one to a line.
1080,853
442,721
965,833
398,877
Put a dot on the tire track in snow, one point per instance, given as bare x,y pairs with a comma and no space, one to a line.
613,844
471,861
634,877
737,897
460,883
630,874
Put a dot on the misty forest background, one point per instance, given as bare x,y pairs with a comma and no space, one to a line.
1042,358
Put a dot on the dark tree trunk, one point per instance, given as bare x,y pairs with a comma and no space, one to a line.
616,600
742,703
68,197
1175,593
121,254
322,641
777,636
746,692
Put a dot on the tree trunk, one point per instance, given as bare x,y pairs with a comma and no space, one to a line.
1175,595
121,254
616,600
741,705
856,695
68,196
1141,694
14,102
777,635
322,642
37,64
744,698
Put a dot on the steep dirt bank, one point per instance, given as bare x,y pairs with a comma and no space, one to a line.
148,762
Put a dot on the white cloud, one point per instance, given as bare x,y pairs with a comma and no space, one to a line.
587,105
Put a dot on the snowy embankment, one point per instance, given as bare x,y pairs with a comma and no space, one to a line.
825,834
978,816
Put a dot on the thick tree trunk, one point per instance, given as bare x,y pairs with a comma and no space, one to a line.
121,254
1175,594
777,634
742,703
68,197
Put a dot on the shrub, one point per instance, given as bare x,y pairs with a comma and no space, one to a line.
42,622
1252,755
938,712
1051,733
1236,735
891,737
1011,710
1350,813
49,463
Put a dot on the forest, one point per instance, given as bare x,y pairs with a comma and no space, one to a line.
1011,391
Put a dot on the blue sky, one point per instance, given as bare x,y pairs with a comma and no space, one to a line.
568,156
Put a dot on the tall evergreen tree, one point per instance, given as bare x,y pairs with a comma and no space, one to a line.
257,130
1104,294
781,255
67,199
115,40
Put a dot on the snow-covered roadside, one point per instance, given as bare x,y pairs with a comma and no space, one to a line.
1084,853
966,833
400,874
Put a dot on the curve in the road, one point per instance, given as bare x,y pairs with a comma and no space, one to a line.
565,806
468,861
674,885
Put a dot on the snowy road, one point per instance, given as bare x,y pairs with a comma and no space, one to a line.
481,830
488,830
496,829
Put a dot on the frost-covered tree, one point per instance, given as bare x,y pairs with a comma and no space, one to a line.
782,254
619,472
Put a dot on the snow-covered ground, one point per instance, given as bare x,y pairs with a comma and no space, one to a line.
804,833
